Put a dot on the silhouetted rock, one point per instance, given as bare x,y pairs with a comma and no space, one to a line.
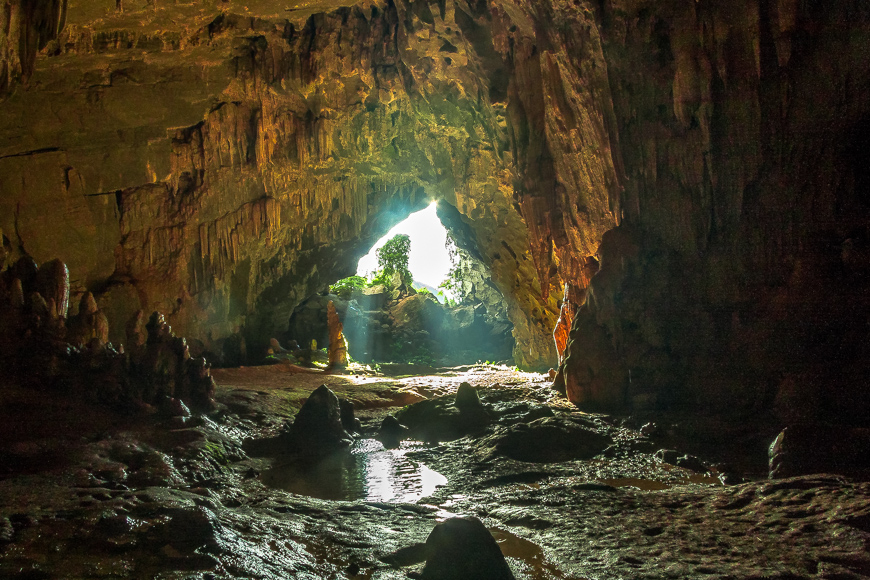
463,549
317,427
808,449
391,432
350,423
467,400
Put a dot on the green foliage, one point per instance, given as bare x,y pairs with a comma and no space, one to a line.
423,290
422,359
452,284
345,287
381,277
393,256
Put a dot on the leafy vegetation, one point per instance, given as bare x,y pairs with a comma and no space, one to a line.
345,287
393,256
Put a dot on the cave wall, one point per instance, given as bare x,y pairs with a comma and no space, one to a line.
220,162
738,278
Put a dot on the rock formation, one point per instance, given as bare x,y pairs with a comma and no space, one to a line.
460,548
39,345
222,164
26,27
337,343
317,429
730,284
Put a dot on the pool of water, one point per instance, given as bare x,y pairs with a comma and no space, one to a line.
366,471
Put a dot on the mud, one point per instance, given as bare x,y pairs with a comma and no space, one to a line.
85,493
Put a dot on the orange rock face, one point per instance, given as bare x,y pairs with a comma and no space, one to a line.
337,342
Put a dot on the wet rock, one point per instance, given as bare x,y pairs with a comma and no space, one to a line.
350,423
189,530
391,432
512,413
667,456
317,428
467,400
407,556
6,530
808,449
546,440
649,430
440,420
692,463
462,549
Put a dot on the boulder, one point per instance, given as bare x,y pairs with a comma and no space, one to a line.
440,420
419,312
467,400
546,440
463,549
374,298
317,428
391,432
808,449
350,423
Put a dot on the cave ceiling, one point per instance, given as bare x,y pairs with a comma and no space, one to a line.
221,161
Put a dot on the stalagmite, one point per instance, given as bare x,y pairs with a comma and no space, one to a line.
563,325
52,281
337,343
135,333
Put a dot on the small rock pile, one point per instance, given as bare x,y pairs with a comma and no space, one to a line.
41,343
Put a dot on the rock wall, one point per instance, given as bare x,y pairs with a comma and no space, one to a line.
738,279
221,162
26,27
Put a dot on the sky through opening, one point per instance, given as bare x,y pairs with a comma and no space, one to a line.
428,260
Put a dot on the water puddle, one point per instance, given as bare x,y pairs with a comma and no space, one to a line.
367,471
526,558
655,485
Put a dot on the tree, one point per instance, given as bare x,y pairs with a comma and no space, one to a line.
393,256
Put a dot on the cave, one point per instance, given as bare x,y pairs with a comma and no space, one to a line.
667,203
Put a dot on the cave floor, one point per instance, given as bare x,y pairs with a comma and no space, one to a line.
87,493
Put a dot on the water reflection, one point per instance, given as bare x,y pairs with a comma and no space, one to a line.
367,471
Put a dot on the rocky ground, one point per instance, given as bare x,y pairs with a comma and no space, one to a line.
87,493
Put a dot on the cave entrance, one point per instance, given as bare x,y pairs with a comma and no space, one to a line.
422,295
431,257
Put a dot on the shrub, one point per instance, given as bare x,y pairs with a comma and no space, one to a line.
393,256
345,287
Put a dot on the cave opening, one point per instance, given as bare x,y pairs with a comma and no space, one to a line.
421,295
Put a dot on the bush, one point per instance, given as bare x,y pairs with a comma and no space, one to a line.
393,256
345,287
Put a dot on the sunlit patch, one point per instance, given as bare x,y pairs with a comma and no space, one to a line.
428,261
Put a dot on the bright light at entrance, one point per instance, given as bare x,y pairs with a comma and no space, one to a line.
428,260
